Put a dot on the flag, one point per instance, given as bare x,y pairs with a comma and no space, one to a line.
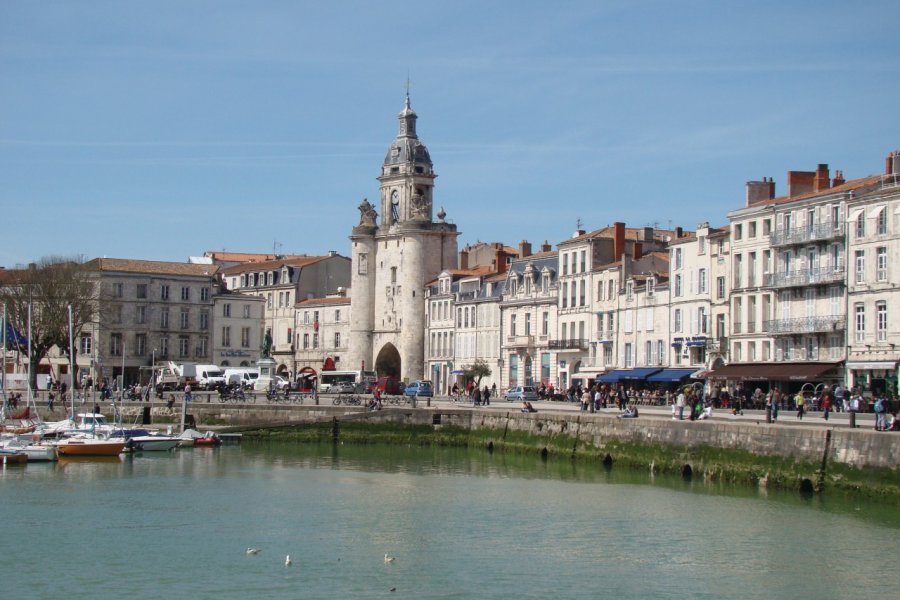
14,337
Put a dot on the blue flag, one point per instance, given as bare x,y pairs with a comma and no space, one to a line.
14,337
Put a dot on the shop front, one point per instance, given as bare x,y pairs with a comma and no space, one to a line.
874,377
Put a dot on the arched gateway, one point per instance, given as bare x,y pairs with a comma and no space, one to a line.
388,361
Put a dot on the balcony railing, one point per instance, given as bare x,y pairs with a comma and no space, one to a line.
802,277
802,235
606,335
573,344
463,296
806,325
719,344
520,341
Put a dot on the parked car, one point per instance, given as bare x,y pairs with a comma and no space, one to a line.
419,388
280,383
389,385
343,387
521,393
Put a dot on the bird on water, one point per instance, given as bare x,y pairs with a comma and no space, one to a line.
287,560
252,551
388,558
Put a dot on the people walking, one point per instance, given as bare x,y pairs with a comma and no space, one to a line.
825,402
679,404
800,403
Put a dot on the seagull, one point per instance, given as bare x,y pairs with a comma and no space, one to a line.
388,558
287,560
252,550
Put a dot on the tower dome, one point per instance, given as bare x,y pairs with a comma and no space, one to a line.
406,147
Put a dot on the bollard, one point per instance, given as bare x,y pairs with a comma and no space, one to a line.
768,414
413,401
428,403
852,418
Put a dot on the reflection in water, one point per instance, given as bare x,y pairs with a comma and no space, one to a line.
462,524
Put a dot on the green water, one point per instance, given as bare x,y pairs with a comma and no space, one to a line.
462,524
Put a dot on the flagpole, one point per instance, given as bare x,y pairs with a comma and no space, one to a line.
30,367
3,373
71,364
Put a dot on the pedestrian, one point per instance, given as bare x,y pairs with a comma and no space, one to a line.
679,404
880,415
800,403
825,402
187,393
585,400
476,396
486,396
494,390
50,399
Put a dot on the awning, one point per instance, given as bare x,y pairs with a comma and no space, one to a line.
458,372
773,371
671,375
628,374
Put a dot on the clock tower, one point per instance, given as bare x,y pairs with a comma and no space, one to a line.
394,259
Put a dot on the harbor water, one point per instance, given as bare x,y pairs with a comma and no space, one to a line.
460,523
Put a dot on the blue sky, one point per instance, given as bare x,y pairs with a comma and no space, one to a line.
158,130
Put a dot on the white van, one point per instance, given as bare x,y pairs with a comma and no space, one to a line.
242,376
210,376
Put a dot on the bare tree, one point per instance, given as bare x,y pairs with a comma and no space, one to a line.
49,287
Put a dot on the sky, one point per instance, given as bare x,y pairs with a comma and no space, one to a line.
160,130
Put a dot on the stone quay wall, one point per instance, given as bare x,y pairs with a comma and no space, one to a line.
838,444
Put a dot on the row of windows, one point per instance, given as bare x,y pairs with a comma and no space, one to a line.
226,310
881,265
161,349
141,292
441,344
142,317
514,322
576,266
881,321
261,279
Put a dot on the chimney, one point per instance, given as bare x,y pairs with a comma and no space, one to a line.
679,233
648,234
821,182
464,259
892,163
801,182
838,179
524,249
546,247
618,240
760,191
638,250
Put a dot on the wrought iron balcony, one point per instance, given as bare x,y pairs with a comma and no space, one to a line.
719,344
606,335
803,277
573,344
806,325
802,235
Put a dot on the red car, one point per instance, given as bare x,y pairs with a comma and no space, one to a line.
389,385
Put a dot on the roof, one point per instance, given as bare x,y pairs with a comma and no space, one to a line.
324,301
239,256
267,265
849,186
149,267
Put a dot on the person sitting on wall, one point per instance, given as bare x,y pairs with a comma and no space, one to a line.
631,412
707,411
528,408
893,424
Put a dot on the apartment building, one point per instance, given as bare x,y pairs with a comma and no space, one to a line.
238,329
873,316
321,335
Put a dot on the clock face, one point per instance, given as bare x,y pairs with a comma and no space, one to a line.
395,197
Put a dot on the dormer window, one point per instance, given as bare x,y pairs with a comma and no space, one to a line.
629,290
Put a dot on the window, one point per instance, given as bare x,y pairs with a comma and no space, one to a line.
118,290
751,231
881,322
678,287
881,264
565,265
164,318
142,290
565,295
738,268
269,300
527,323
337,339
861,225
701,244
115,344
204,294
247,312
860,322
140,315
203,348
163,346
702,281
185,293
305,341
512,324
582,293
629,289
140,344
860,268
545,324
720,288
648,353
678,259
337,316
315,340
84,345
245,337
583,262
226,310
204,319
702,321
738,231
184,346
226,337
678,320
767,226
185,318
881,222
629,350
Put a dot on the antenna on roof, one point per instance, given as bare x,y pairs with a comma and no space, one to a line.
276,245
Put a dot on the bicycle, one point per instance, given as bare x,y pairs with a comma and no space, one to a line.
348,399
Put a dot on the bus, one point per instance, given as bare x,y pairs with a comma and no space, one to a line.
358,378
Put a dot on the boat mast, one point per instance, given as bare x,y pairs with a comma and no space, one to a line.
71,365
30,394
3,372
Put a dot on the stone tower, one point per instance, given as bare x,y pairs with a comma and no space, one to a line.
394,259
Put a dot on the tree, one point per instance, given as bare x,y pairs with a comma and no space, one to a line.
478,371
49,287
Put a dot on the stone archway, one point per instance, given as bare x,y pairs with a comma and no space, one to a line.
387,363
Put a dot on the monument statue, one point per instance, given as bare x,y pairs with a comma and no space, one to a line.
420,207
267,345
367,214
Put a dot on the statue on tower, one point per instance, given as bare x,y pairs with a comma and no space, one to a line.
420,206
367,214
